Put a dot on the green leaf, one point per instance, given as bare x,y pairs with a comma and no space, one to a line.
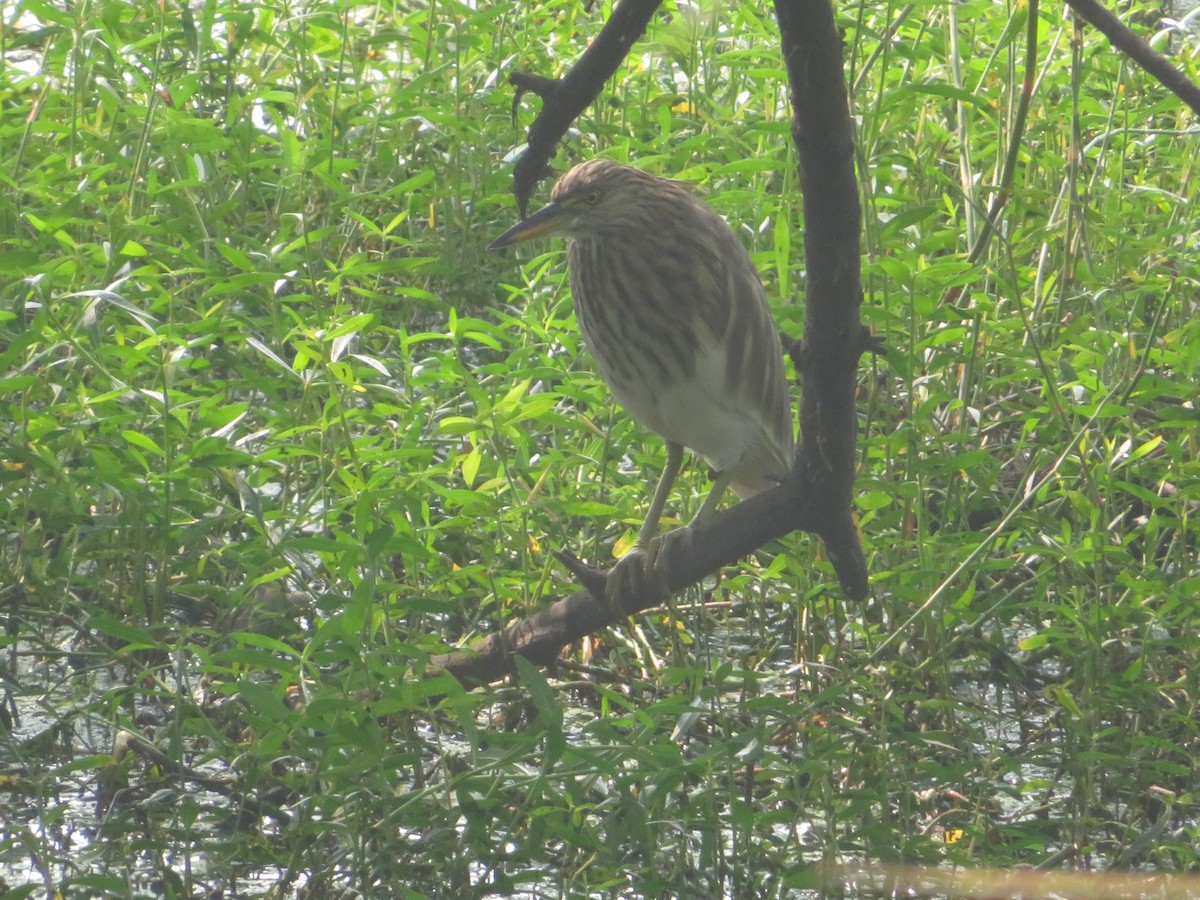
18,262
550,713
143,441
263,700
470,466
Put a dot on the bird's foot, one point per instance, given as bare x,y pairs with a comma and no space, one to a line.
643,574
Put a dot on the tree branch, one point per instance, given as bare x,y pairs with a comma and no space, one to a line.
563,99
1138,50
834,337
700,551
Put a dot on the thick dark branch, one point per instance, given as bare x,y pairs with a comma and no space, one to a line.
834,337
565,98
704,550
1138,50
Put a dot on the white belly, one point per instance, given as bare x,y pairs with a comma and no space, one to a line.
705,413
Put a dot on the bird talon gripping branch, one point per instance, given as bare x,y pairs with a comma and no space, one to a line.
639,574
673,311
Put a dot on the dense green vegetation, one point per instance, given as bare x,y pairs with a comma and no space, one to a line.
276,428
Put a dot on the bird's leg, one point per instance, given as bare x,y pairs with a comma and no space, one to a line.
628,576
669,472
716,492
643,568
655,550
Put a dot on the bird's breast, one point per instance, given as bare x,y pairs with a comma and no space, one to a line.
686,344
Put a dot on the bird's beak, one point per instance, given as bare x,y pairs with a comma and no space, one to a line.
546,220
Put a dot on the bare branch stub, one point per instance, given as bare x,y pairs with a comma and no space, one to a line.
565,98
871,343
594,580
528,83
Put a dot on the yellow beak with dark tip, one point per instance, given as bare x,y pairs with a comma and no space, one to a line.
547,220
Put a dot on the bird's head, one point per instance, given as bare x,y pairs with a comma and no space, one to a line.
598,198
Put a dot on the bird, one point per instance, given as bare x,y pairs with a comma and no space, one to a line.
673,312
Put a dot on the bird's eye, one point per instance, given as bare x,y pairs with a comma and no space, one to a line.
592,198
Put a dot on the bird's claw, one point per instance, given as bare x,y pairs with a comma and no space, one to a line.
643,572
